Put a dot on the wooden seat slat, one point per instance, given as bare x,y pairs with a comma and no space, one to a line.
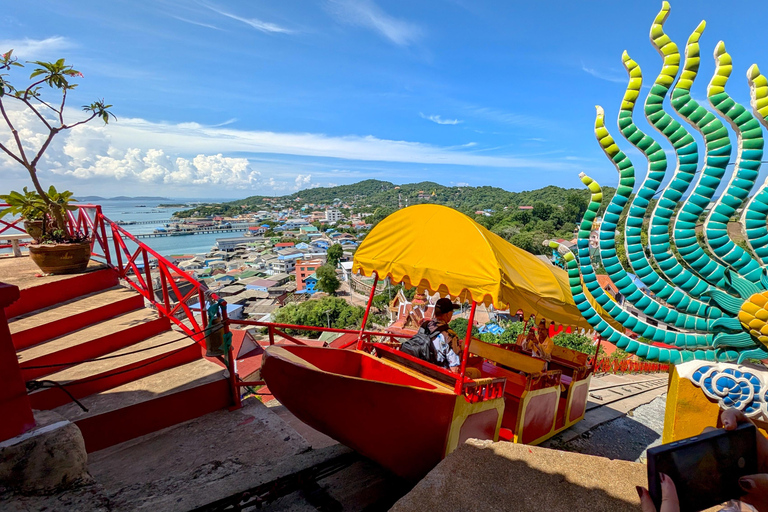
508,358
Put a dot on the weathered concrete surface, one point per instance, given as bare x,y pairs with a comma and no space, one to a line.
48,458
484,476
316,439
597,416
22,272
627,437
196,462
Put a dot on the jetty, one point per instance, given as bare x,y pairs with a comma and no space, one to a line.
200,231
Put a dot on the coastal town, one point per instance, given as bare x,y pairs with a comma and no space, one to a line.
364,258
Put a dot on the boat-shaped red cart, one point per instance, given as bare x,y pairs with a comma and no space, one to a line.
406,413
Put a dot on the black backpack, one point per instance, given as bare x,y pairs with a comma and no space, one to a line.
421,345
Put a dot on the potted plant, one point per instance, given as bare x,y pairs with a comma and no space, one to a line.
30,207
57,248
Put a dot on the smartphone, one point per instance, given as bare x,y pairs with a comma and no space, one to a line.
705,468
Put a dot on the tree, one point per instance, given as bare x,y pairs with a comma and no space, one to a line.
577,342
320,312
334,254
459,326
326,279
50,113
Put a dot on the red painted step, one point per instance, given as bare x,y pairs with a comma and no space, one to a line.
131,363
90,342
150,404
44,324
49,290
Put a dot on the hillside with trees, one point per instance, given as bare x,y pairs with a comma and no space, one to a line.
555,211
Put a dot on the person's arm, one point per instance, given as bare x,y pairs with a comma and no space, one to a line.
444,350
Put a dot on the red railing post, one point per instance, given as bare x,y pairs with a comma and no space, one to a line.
271,331
465,355
14,402
148,274
231,363
367,310
118,252
164,285
203,315
99,223
597,352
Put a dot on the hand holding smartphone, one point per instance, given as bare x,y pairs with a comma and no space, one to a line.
705,468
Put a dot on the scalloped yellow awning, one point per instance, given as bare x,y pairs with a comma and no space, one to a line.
444,251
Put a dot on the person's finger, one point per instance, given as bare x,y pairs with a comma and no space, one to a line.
731,418
646,503
708,429
756,487
669,501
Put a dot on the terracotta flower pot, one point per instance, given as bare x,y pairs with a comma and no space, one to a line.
61,258
34,228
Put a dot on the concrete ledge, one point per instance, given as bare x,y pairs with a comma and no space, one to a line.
484,476
51,457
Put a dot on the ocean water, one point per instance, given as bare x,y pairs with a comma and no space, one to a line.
144,211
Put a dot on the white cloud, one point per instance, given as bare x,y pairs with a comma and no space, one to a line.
136,152
510,118
36,49
260,25
439,120
198,23
366,13
608,77
302,181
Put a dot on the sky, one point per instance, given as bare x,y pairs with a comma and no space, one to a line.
231,99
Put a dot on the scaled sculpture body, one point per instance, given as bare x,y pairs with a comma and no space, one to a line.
704,303
704,298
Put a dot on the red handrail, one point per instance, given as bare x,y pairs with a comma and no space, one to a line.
14,227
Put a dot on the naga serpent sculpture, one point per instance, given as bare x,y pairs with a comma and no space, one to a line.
702,297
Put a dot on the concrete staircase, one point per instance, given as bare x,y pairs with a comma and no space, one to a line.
122,361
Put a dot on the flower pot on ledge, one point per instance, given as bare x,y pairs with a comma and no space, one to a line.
61,258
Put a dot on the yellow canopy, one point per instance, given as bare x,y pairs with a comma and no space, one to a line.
444,251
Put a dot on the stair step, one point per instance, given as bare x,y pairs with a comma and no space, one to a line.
149,404
47,290
43,324
90,342
130,363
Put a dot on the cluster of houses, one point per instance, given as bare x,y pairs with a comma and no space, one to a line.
285,218
257,275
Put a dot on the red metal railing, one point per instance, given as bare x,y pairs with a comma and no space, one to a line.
177,293
606,365
12,227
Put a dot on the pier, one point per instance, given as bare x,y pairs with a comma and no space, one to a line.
137,222
186,232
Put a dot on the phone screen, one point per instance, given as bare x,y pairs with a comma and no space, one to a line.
705,468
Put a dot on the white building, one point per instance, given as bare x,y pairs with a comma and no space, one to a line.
283,266
333,215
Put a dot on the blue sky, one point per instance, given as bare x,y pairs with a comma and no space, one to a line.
229,99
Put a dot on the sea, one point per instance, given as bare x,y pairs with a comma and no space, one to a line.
156,217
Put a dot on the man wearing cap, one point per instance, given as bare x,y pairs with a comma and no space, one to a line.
447,343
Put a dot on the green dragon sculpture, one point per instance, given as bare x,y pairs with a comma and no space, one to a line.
695,297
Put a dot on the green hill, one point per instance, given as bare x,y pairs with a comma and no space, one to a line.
555,211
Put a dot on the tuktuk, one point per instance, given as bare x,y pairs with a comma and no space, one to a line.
407,414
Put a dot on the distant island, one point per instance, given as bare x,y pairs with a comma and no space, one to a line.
122,198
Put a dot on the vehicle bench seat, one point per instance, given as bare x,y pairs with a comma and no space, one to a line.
515,382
